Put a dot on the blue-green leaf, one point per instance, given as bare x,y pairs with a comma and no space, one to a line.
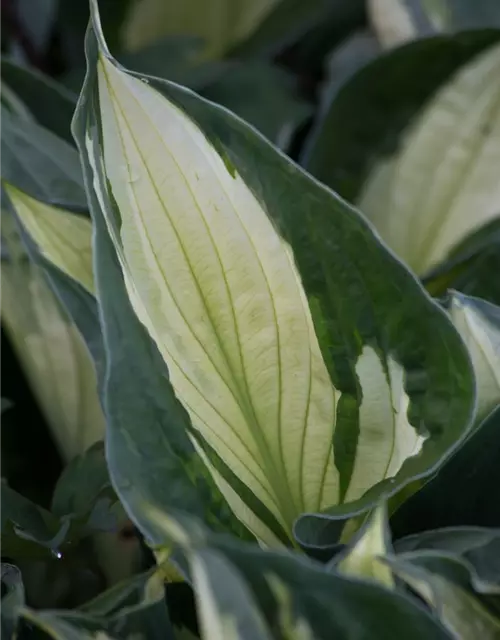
51,105
449,594
244,592
12,599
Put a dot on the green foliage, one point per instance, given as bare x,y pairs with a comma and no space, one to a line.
250,276
396,21
12,598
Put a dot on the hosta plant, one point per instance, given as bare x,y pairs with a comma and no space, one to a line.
275,380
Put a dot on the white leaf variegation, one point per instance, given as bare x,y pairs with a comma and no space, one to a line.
51,351
223,598
478,322
220,294
363,559
443,184
218,290
214,620
63,238
458,608
291,626
392,21
386,438
398,21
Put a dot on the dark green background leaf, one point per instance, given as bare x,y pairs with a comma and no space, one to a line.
479,546
29,531
263,95
470,265
84,491
444,583
12,599
82,482
461,493
38,162
49,102
307,28
134,606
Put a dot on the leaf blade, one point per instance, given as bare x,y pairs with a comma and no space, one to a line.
423,224
479,325
63,239
318,250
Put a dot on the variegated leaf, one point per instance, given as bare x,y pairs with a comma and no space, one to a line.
443,184
51,350
246,593
362,559
305,355
63,238
478,322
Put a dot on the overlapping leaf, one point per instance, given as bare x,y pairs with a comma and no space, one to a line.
362,559
51,350
469,266
449,594
479,325
364,121
135,608
442,184
31,532
244,592
63,239
476,547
